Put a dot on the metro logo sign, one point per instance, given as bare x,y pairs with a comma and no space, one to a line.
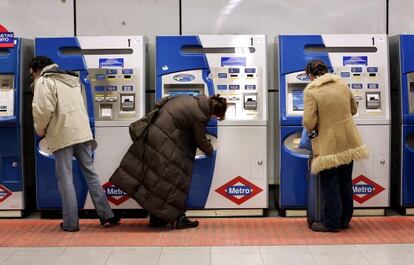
4,193
239,190
364,189
6,38
115,195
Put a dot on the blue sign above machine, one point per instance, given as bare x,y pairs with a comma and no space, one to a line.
233,61
355,60
111,62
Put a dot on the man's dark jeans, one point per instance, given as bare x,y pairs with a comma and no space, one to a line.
336,184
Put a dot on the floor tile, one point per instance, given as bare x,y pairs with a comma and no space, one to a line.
288,258
185,259
185,250
338,258
137,259
31,260
102,252
81,260
236,259
245,250
39,251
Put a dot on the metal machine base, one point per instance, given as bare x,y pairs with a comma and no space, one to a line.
14,214
357,212
408,211
224,213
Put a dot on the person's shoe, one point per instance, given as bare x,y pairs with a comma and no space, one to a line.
345,225
319,227
115,220
156,222
184,223
68,229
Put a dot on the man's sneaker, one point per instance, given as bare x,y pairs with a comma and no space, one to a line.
184,223
115,220
319,227
68,229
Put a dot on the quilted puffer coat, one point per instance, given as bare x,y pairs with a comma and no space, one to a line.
157,169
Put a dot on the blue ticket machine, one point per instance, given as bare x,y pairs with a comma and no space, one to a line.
233,66
112,73
14,158
362,62
402,68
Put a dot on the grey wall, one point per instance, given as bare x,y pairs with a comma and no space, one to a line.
401,18
130,17
31,18
38,18
272,18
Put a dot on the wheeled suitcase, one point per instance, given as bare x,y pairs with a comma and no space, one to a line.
314,209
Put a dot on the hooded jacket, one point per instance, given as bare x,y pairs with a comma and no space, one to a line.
328,107
157,169
59,109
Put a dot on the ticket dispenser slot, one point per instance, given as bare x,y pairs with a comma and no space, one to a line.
183,89
373,100
250,102
6,95
128,103
105,111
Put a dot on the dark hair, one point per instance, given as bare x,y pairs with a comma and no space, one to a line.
316,68
40,62
218,106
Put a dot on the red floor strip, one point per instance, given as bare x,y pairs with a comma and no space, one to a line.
211,232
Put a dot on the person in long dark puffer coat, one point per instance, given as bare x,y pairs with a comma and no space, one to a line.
157,169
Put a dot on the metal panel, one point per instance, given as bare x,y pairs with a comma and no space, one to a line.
34,18
274,17
401,16
145,17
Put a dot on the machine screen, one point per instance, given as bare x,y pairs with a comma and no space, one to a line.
174,93
297,98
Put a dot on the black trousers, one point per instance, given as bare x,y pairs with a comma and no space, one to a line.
336,185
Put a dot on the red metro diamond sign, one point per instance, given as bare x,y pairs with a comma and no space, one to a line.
115,195
364,189
239,190
4,193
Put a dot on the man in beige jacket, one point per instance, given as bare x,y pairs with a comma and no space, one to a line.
328,109
60,116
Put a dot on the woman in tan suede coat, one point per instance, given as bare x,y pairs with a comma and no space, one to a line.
328,109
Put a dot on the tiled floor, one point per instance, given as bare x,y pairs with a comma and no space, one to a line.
271,231
374,254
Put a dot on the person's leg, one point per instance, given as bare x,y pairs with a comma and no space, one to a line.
331,198
63,165
182,222
345,178
157,222
83,154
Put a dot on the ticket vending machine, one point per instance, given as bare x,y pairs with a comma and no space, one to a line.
112,73
362,61
234,66
14,159
402,69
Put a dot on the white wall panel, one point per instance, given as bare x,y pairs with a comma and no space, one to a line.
401,19
274,17
138,17
37,18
